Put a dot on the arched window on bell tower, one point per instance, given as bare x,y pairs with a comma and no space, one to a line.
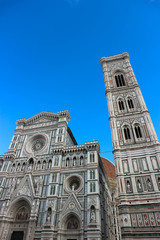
127,134
138,131
130,103
121,105
119,79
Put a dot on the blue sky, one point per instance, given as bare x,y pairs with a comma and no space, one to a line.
49,60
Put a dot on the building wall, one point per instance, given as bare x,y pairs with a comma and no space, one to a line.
136,150
52,188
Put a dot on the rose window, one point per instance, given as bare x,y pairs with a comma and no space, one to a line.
73,183
36,143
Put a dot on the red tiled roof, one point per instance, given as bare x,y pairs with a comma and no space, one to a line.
109,168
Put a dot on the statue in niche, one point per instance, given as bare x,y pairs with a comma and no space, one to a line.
74,161
39,184
23,166
128,186
81,160
19,168
74,187
149,185
67,162
44,165
48,217
92,214
38,165
30,166
18,181
139,185
49,164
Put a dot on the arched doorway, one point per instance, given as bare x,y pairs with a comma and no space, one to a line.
19,213
17,235
71,227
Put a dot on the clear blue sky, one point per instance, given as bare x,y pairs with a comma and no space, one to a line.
49,60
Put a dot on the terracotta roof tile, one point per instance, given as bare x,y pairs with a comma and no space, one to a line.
109,168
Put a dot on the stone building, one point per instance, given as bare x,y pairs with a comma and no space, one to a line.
53,189
136,151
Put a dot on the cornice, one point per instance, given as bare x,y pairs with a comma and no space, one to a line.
49,115
114,57
10,155
128,115
135,147
94,145
120,90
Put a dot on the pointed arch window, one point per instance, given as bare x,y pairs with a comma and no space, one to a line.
127,134
138,131
120,82
130,103
121,105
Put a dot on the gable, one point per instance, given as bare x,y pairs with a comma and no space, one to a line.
25,188
72,205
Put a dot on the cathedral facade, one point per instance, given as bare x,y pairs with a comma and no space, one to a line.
53,189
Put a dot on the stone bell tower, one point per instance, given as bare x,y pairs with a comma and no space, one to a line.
136,151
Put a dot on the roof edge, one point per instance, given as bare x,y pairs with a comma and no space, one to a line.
114,57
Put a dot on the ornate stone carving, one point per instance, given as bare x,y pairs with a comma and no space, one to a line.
12,187
49,215
24,190
92,214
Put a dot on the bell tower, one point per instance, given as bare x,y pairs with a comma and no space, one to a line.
136,150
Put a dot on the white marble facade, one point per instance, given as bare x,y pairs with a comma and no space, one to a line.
50,187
